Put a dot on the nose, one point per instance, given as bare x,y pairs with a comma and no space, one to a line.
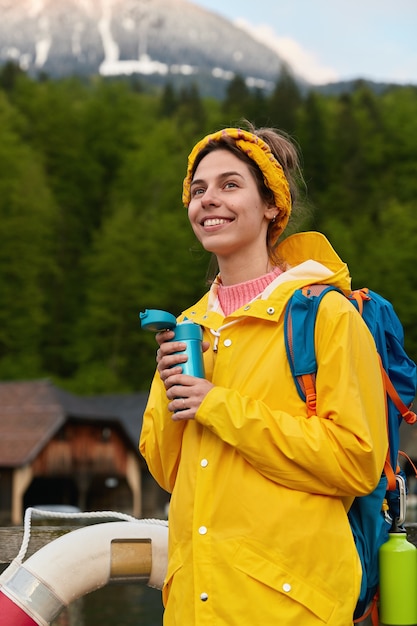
210,197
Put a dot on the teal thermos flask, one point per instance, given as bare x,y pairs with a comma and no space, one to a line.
186,331
398,580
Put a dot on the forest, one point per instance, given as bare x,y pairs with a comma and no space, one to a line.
93,230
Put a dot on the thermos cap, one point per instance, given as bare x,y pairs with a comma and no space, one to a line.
156,320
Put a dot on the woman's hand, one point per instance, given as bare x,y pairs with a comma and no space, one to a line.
167,356
185,393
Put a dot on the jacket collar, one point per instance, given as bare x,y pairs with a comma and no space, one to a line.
310,259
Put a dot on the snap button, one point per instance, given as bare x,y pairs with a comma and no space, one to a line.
247,307
227,342
203,462
203,597
286,587
202,530
270,310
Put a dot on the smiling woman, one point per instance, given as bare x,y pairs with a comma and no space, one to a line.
237,449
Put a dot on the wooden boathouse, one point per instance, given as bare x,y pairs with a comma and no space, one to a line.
60,449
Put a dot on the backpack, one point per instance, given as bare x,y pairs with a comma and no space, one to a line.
370,516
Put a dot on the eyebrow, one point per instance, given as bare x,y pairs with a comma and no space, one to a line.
223,175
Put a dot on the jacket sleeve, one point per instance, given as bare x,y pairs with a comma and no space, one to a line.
161,438
339,451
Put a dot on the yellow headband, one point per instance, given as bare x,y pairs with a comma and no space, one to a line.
257,150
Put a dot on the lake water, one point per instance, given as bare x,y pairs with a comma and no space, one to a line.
115,605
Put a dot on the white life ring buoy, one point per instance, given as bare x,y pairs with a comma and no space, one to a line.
33,593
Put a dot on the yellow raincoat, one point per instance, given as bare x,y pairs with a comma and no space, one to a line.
258,531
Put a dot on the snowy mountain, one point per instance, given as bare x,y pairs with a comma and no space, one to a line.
158,38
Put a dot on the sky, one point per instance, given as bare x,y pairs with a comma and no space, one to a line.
333,40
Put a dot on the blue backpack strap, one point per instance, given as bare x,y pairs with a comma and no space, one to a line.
299,324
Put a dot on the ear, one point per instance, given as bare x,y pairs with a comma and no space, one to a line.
271,212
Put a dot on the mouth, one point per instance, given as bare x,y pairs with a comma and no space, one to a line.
215,221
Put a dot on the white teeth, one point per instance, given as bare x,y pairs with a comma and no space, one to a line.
215,222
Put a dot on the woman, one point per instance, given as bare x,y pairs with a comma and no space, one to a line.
258,531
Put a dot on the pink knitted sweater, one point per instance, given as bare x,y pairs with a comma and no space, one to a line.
233,297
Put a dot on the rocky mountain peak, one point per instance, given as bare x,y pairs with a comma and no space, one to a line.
164,38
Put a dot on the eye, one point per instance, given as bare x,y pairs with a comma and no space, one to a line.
197,191
230,184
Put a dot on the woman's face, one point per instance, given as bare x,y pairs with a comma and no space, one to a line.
226,211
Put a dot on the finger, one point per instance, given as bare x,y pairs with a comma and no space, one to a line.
167,361
169,376
174,392
170,347
178,405
178,385
164,336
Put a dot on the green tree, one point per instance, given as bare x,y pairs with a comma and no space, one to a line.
27,216
191,113
169,101
237,103
284,102
313,133
399,118
257,109
9,74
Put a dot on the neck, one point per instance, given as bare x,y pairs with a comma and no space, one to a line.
233,272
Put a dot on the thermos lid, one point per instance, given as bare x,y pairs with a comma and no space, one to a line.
156,320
